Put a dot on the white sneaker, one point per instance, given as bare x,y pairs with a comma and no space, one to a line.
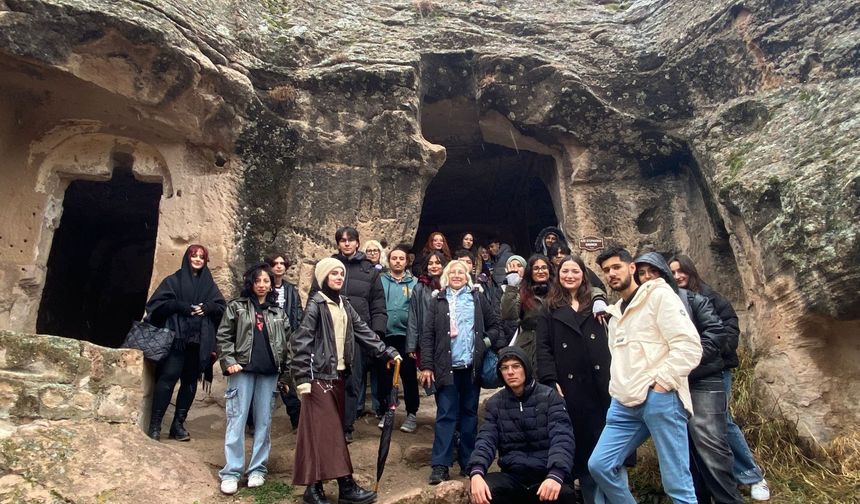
256,480
381,423
760,491
229,486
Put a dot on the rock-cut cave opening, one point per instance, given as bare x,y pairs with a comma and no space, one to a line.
484,188
100,263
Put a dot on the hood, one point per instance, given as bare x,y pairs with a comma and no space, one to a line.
407,277
520,355
504,247
656,260
540,247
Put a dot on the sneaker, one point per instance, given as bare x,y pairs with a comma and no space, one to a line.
438,475
256,480
348,437
410,424
381,423
760,491
229,486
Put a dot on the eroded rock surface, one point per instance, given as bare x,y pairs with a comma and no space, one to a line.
722,130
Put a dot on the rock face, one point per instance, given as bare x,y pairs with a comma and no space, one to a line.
722,130
53,378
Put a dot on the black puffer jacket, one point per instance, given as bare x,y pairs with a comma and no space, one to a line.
532,433
435,342
701,312
727,314
363,287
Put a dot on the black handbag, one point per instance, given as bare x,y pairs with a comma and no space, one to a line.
154,342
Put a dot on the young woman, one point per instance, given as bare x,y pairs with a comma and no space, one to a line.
322,352
522,302
436,242
252,350
745,469
189,303
467,242
573,356
458,328
428,282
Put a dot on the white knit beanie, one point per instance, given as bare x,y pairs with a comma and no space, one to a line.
324,267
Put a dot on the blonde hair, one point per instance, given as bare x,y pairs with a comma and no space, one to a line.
443,279
383,255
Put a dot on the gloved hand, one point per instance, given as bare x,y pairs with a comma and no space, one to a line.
513,279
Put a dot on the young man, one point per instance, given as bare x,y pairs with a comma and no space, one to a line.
528,424
500,252
654,346
363,287
712,459
398,283
289,301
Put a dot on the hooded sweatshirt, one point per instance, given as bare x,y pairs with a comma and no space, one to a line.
531,432
652,342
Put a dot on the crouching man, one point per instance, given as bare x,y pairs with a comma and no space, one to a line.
529,426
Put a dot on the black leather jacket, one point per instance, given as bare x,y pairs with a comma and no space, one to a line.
711,331
313,344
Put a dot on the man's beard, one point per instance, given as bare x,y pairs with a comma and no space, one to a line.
624,284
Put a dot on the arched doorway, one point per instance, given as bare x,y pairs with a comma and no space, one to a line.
101,258
486,188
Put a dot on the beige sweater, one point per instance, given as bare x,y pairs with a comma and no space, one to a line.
338,318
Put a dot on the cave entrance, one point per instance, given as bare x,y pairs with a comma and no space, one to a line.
485,188
100,264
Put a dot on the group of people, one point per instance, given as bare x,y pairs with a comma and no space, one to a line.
585,383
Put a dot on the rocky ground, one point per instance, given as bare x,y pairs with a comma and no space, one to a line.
79,461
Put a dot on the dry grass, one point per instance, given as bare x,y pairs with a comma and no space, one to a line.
424,7
487,81
794,474
284,93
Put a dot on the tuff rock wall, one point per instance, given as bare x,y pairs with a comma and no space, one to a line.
725,130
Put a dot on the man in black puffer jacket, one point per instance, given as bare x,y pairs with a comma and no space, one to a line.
528,425
363,288
711,461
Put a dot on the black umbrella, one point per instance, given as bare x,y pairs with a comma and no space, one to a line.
387,427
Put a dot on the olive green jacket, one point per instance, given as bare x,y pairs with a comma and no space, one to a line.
236,335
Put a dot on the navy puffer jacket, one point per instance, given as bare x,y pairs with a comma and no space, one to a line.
532,433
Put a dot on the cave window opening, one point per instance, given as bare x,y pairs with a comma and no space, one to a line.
100,264
492,191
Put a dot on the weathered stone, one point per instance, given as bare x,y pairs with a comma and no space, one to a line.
720,130
418,455
451,492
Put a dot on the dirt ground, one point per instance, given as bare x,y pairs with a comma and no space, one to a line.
401,480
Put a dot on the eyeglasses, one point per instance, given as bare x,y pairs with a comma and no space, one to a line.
510,367
371,251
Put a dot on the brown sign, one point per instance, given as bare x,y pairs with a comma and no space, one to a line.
591,243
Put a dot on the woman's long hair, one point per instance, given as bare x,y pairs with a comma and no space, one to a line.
252,274
694,281
428,247
443,278
528,297
559,296
428,279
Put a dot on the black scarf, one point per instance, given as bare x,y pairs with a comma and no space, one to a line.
330,293
186,287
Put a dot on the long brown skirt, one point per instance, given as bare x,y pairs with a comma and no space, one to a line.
321,452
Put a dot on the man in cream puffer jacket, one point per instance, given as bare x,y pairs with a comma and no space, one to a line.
654,346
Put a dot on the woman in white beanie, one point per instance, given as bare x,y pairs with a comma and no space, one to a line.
323,348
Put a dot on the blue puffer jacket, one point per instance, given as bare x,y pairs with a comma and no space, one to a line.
532,433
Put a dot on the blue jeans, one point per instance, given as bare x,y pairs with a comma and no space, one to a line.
745,469
662,417
456,407
246,391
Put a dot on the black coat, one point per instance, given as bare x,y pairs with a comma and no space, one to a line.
573,352
435,340
711,332
727,314
313,347
363,287
532,433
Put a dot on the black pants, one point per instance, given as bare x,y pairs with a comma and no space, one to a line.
506,489
182,366
353,382
408,375
711,459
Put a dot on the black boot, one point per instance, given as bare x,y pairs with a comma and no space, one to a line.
155,418
177,428
350,492
314,494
